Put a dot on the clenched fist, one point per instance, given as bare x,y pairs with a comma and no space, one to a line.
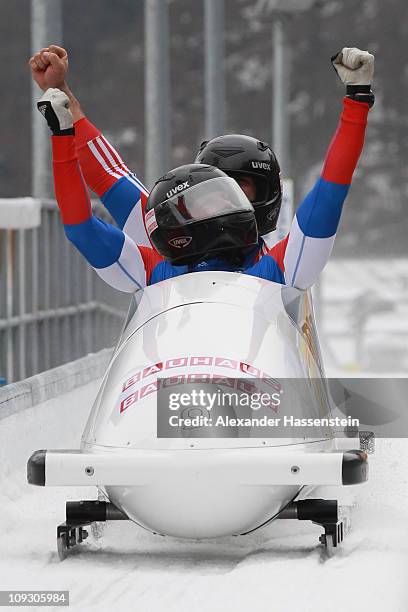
49,67
354,67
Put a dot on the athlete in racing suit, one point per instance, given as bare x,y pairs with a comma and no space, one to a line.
127,265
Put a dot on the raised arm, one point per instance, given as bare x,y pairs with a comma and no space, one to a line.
120,190
104,171
110,251
302,255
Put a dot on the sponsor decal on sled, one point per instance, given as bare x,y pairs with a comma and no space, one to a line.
140,387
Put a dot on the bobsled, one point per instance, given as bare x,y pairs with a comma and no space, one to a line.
194,479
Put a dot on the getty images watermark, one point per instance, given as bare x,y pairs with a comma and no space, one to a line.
209,400
242,408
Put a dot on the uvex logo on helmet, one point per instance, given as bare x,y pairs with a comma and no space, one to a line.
180,242
261,165
175,190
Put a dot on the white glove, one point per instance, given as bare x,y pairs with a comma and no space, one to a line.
54,105
354,67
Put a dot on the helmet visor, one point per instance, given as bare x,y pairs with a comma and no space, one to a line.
254,184
209,199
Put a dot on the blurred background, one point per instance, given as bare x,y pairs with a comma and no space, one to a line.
158,77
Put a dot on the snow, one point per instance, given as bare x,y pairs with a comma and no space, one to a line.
279,568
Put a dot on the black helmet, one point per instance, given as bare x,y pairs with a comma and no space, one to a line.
238,155
195,212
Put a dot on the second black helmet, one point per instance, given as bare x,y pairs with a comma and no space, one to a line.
243,156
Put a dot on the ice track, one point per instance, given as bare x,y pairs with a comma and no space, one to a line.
279,568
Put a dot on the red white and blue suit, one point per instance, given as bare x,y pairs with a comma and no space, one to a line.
123,255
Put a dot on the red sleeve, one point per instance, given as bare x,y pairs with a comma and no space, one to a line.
70,189
100,162
150,259
143,202
346,146
84,131
278,252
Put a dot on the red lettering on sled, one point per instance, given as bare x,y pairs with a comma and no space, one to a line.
176,363
150,388
153,369
247,386
195,361
223,381
202,378
248,369
226,363
131,381
131,399
173,381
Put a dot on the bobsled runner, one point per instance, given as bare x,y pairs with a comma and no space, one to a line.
199,483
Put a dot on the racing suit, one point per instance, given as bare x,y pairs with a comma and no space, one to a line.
121,255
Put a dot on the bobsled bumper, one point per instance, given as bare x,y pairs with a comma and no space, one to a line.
250,467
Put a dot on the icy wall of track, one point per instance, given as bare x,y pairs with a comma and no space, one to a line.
55,422
279,568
